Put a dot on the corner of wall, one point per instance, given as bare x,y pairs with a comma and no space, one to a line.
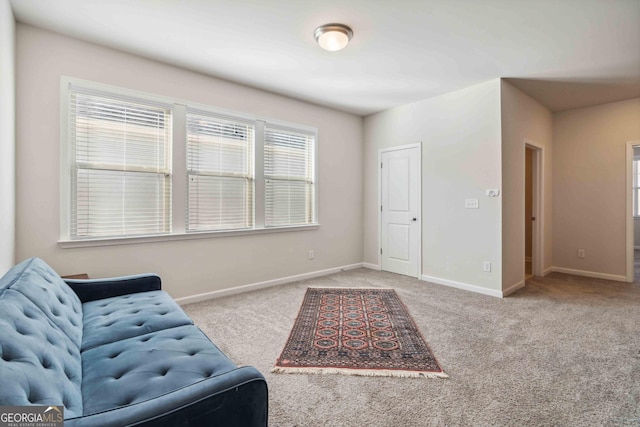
523,119
7,136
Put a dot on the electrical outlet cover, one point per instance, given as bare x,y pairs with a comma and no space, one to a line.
471,204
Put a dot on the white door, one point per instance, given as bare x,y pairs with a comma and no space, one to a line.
400,210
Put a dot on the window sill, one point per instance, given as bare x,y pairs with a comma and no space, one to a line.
113,241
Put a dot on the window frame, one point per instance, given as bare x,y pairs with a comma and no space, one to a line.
88,112
202,174
179,170
291,178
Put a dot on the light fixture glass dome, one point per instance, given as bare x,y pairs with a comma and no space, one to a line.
333,37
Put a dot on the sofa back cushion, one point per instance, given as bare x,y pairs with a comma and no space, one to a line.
40,337
39,364
40,284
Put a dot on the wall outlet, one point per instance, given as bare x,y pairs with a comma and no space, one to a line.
311,254
581,253
471,204
486,266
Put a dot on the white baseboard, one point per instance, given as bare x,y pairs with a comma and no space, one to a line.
261,285
371,266
547,271
464,286
513,288
593,274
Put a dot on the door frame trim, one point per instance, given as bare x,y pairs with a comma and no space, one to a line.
419,231
537,238
629,223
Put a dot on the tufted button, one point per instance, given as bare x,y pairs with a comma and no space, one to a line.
127,401
67,374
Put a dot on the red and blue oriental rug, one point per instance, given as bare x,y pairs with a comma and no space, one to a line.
356,332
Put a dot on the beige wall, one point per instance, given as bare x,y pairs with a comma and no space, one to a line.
7,137
188,267
523,118
589,192
460,136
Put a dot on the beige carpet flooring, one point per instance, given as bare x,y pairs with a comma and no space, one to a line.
563,351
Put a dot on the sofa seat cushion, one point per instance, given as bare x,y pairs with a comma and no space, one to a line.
113,319
42,285
39,364
137,369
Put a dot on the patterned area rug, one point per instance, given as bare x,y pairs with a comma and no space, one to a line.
356,332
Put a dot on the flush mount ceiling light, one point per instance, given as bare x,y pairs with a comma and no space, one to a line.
333,37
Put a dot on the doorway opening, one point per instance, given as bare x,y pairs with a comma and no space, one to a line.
533,208
633,211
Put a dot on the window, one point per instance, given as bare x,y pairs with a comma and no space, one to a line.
141,166
289,177
220,173
120,171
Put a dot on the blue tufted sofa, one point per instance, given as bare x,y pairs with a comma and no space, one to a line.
116,352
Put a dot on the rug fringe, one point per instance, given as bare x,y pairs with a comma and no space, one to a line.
359,372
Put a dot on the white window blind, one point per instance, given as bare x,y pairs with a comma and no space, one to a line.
120,165
220,172
289,177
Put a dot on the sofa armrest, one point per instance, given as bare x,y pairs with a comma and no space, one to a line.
94,289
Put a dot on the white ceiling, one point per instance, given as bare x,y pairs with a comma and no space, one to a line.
565,53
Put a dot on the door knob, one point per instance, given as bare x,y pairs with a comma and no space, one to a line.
414,219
